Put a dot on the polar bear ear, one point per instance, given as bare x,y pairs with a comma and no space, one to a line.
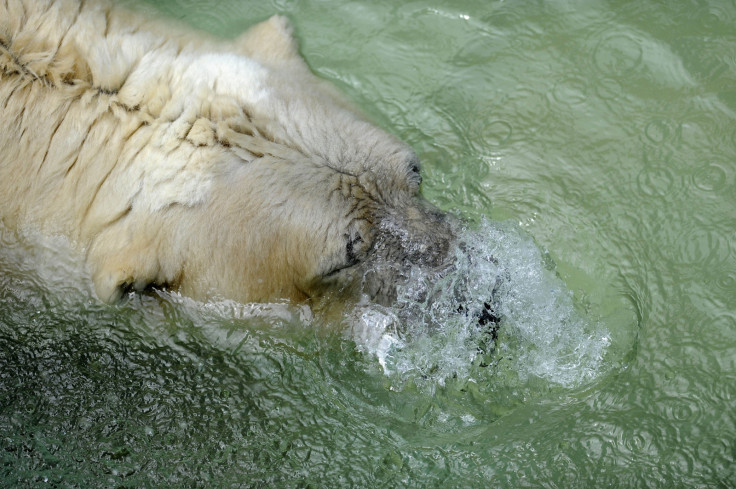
271,41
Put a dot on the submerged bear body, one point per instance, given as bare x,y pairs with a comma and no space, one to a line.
219,169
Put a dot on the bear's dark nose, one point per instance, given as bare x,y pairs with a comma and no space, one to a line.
419,236
415,236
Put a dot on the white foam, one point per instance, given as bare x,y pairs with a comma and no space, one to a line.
229,309
433,332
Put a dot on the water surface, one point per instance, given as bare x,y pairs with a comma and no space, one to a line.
591,146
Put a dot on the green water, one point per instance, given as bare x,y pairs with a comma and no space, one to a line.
606,131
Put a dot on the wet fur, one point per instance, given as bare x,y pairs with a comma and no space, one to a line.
170,159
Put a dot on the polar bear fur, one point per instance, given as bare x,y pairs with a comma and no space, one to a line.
173,160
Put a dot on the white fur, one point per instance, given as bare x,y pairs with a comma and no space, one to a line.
220,169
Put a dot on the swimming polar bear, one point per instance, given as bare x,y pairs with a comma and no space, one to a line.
218,169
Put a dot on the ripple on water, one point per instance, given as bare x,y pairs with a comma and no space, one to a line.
528,103
680,409
617,54
571,91
640,440
496,133
727,281
704,247
711,178
655,181
659,131
609,89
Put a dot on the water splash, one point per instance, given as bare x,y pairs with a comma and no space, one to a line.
501,312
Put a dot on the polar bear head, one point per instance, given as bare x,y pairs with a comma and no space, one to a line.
267,184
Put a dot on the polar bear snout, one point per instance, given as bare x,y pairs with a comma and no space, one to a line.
420,235
417,240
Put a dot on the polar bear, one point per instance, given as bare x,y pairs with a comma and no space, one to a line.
218,169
